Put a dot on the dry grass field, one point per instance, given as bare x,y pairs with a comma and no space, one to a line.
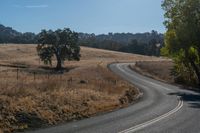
34,95
160,70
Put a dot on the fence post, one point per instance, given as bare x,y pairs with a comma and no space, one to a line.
17,73
115,82
34,75
60,77
69,81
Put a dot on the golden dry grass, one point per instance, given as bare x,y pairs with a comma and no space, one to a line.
160,70
50,98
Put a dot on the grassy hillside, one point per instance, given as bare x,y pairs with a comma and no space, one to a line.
34,95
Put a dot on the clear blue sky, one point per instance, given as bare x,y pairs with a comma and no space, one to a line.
91,16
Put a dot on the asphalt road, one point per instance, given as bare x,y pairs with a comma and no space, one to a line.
163,108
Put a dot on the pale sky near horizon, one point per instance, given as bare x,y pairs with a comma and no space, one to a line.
90,16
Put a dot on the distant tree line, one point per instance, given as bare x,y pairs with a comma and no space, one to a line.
9,35
140,43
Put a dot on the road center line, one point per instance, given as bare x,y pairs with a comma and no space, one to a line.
147,123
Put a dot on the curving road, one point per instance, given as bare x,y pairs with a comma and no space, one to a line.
163,108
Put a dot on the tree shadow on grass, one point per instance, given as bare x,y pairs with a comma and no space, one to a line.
35,69
193,99
48,70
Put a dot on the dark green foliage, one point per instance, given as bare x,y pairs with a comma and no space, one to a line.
182,39
61,43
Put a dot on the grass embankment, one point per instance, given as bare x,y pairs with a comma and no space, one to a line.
159,70
34,95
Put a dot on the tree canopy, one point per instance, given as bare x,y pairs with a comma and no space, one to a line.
182,39
63,44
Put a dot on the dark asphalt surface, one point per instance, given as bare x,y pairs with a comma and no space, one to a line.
163,108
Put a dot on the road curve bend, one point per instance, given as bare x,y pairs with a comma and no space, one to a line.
164,108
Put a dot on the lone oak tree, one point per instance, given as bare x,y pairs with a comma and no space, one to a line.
63,44
182,39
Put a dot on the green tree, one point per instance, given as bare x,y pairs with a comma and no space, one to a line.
63,44
182,39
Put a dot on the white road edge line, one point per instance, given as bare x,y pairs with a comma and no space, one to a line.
145,124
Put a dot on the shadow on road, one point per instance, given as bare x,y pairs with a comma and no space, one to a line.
192,99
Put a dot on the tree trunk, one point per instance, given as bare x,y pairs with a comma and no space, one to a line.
59,62
197,71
